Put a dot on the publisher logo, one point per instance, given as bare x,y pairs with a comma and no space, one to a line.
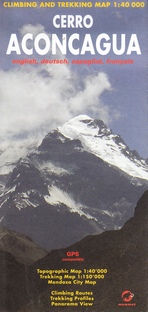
127,296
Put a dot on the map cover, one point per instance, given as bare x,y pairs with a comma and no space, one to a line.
73,156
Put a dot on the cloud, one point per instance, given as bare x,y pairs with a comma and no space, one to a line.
89,98
35,99
33,29
38,98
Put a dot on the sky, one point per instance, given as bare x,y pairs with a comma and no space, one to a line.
37,98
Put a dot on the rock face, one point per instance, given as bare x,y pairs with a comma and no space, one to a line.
21,247
17,252
81,180
13,283
123,253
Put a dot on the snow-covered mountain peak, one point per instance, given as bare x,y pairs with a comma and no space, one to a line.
99,140
85,125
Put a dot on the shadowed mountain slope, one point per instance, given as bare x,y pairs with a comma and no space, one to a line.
123,253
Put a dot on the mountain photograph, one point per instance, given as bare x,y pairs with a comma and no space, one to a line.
81,180
69,206
73,156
